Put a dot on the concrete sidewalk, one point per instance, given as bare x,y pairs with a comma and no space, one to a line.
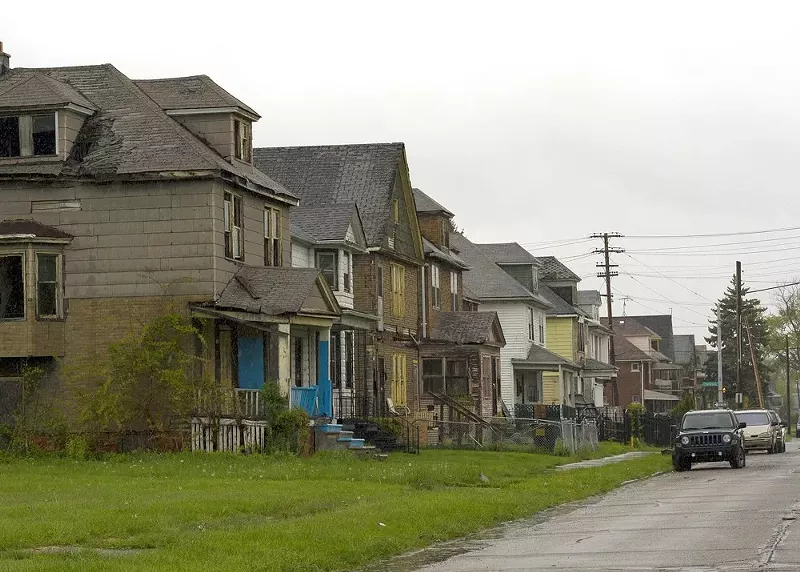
603,461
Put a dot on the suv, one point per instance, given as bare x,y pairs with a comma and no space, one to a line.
709,435
781,430
762,430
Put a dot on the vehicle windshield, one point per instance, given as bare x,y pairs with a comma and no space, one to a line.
754,418
708,420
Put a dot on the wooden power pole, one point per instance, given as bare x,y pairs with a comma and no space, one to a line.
607,274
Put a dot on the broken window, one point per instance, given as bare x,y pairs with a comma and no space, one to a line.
47,290
457,381
27,135
12,288
433,375
326,262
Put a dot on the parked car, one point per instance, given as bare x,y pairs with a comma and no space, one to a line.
762,431
781,431
708,436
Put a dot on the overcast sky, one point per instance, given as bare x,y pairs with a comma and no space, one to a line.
534,122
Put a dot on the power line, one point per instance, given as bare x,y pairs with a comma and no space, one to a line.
773,287
714,253
714,234
668,278
695,246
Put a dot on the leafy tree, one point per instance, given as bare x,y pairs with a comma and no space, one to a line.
786,322
754,314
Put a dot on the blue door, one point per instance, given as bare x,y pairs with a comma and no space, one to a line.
251,361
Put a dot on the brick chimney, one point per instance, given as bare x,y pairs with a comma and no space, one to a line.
5,61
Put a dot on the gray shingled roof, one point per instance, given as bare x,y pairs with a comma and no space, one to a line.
30,227
589,297
129,134
38,90
630,327
270,291
553,270
626,351
661,324
466,327
326,175
324,223
432,251
591,364
487,280
560,307
508,253
425,204
192,92
544,357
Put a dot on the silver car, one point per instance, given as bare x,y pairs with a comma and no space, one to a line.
761,431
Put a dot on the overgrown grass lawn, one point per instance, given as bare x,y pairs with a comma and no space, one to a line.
224,512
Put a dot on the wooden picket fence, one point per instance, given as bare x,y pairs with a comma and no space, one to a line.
228,435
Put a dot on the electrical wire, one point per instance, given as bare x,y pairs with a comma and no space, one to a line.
668,278
713,234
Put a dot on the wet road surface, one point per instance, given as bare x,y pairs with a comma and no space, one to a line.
711,518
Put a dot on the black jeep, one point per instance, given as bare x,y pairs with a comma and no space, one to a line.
708,436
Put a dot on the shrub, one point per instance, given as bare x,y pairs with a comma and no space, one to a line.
289,430
77,448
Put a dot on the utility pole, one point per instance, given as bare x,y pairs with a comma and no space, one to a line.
738,387
720,396
788,388
608,274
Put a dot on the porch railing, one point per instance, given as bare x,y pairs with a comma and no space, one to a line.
233,403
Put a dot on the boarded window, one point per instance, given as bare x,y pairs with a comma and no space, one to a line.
433,375
326,262
457,379
398,290
399,379
12,288
47,288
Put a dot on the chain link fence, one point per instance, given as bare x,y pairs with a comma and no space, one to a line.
535,435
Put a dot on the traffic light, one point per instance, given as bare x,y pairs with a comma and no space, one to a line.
724,391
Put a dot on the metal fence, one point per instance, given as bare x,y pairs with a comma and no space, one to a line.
536,435
655,430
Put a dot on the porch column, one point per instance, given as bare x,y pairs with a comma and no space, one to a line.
284,361
325,391
561,387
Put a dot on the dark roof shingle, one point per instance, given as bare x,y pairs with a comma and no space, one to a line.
466,327
508,253
425,204
626,351
325,175
192,92
629,327
38,90
560,307
324,223
538,355
30,228
270,291
553,270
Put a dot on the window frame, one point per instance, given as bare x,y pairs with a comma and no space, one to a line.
243,140
273,240
429,379
636,367
531,328
233,234
318,252
347,278
453,291
436,290
23,261
27,148
58,285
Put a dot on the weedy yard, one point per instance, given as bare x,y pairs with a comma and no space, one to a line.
224,512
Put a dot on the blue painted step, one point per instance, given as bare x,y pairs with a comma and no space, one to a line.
356,443
345,436
331,428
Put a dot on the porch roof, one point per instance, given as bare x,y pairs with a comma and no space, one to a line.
650,395
469,328
279,291
542,359
597,368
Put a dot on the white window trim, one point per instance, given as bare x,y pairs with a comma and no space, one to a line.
454,291
436,298
328,252
635,367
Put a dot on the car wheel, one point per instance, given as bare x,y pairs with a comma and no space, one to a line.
738,462
677,464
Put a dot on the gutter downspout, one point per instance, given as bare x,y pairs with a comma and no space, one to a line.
641,375
424,305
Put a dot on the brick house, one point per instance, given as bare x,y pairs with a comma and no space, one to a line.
459,350
374,178
120,195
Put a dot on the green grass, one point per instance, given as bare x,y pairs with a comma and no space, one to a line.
224,512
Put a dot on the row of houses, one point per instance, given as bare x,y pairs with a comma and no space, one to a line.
321,269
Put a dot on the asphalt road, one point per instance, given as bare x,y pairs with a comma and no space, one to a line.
711,518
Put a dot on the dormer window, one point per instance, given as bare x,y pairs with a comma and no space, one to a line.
28,135
244,140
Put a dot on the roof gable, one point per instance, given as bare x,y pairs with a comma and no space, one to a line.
508,253
330,223
32,89
660,324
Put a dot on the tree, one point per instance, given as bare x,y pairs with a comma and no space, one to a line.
786,322
753,313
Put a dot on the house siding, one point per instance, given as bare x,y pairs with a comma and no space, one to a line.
561,341
215,129
514,321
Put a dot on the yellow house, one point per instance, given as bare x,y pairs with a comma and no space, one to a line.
566,337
